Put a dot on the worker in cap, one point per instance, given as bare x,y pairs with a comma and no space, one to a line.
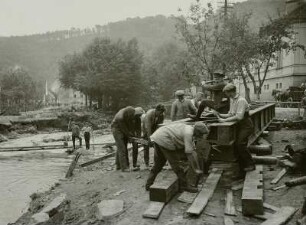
218,100
181,107
150,123
173,142
239,112
180,93
126,124
75,133
139,111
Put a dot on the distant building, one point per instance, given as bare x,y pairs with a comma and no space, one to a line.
56,95
290,68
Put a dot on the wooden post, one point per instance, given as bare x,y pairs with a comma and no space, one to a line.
252,194
72,165
163,190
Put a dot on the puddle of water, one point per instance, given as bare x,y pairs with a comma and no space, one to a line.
19,179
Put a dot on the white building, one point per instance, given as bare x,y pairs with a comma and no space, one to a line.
290,68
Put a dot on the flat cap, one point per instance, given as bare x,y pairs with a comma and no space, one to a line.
201,127
139,111
229,87
180,92
219,73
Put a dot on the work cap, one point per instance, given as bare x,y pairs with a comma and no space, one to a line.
219,73
229,87
180,92
160,107
201,127
139,111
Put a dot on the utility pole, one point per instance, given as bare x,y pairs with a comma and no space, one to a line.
226,6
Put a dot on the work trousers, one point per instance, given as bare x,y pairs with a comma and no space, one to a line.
122,160
146,151
135,153
73,140
222,107
161,156
244,129
87,139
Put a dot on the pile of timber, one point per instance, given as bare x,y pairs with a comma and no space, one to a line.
263,147
166,187
289,124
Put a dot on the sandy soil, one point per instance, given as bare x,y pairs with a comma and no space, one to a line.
100,181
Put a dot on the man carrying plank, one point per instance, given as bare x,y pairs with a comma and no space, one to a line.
171,143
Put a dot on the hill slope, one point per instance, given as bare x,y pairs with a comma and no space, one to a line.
40,53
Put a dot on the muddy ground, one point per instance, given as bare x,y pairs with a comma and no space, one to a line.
100,181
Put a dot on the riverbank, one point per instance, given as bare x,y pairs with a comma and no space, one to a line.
101,181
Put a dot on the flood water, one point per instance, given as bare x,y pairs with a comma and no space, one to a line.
22,177
24,173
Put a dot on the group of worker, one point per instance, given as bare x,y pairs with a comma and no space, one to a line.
76,132
176,141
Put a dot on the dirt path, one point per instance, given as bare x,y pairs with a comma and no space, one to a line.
99,182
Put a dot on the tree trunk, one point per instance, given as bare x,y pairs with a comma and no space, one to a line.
100,102
90,101
257,91
86,100
246,88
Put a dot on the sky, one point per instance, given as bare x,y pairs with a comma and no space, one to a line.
21,17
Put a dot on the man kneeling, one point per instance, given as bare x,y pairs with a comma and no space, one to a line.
171,142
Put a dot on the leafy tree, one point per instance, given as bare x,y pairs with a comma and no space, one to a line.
18,90
200,31
105,70
274,37
229,43
169,68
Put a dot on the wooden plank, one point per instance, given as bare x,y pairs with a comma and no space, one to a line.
281,216
154,210
279,176
164,189
187,197
271,207
73,165
252,193
279,187
206,193
267,160
228,221
229,204
98,159
139,140
260,150
265,216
